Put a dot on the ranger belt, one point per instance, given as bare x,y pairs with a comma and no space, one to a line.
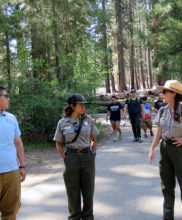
79,151
169,141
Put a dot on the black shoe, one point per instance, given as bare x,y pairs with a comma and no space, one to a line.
135,140
151,133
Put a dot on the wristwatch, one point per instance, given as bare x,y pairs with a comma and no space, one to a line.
94,153
20,167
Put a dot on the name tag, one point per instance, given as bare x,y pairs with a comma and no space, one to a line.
68,127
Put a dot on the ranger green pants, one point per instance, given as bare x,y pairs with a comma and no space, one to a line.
170,166
79,178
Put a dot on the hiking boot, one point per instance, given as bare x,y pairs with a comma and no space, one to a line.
135,140
115,139
145,135
151,133
139,140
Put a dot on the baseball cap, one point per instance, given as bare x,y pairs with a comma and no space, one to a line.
76,98
133,90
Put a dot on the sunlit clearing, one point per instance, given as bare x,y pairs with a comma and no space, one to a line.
102,209
141,170
37,194
154,205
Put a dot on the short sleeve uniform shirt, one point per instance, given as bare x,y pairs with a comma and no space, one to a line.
65,132
165,120
115,111
9,130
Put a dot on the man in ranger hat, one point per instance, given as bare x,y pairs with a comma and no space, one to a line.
169,129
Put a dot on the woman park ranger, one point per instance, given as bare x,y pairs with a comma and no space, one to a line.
169,122
77,133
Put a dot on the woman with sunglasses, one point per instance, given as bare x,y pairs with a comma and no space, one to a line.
77,133
169,129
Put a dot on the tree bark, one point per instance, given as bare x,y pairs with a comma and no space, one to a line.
132,71
141,67
120,47
56,43
150,68
106,62
8,59
138,69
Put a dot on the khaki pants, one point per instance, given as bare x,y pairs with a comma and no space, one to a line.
146,124
9,194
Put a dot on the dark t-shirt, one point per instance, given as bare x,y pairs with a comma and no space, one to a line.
134,106
115,111
158,104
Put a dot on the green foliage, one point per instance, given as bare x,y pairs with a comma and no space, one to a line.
37,108
169,32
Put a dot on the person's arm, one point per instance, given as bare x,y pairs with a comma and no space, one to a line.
155,107
107,115
20,155
143,110
150,110
59,146
94,143
125,110
157,137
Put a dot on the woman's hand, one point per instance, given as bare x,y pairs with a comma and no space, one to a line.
178,141
151,156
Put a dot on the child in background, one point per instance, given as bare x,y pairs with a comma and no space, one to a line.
115,110
146,121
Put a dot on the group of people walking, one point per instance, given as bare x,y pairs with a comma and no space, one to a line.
76,133
139,110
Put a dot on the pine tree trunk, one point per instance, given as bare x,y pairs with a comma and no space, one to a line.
120,47
132,71
150,68
141,67
8,59
138,69
56,43
106,62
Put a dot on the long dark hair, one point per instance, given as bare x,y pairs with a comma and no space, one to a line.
68,110
177,116
1,89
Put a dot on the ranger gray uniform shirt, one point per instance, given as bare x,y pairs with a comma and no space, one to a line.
165,120
65,132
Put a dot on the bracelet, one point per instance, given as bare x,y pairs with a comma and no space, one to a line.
20,167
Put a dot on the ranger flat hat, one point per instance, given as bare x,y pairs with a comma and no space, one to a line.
171,85
76,98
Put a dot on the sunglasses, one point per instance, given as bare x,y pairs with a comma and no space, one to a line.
6,96
164,91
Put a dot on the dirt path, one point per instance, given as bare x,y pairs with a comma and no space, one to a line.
127,188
